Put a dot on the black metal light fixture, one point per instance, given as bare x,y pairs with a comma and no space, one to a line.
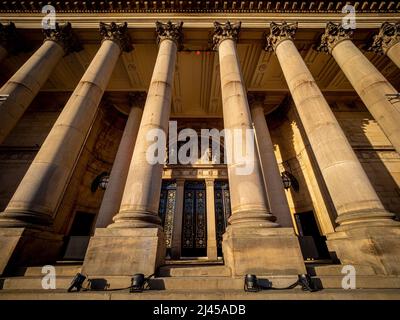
251,283
290,181
101,181
104,182
137,283
287,183
77,282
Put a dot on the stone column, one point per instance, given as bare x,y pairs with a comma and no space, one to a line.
211,227
176,246
25,84
137,224
35,200
116,183
252,233
369,83
355,200
272,178
387,41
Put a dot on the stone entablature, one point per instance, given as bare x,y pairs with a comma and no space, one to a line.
200,172
199,6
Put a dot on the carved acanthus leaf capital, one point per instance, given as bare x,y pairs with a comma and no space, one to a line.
223,31
137,99
117,33
256,99
170,31
388,36
9,37
63,35
334,34
280,32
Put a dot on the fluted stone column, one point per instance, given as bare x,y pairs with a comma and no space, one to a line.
387,41
136,228
116,183
369,83
251,234
35,200
25,84
272,178
357,204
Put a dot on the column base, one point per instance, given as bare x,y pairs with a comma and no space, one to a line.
124,252
212,253
26,247
377,247
262,251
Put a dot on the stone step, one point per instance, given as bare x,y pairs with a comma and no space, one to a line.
202,283
336,270
240,295
61,270
161,283
194,271
194,262
362,282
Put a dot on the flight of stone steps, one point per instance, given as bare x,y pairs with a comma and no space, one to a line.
192,276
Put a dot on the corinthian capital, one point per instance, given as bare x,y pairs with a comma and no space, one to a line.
117,33
256,98
137,99
280,32
223,31
389,35
334,34
9,37
170,31
63,35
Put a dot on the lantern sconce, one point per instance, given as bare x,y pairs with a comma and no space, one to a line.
101,181
289,181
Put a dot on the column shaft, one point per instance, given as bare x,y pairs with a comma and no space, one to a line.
25,84
394,54
39,192
336,159
368,82
272,178
211,227
248,200
372,87
139,205
116,183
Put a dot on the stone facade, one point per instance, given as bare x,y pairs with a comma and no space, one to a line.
76,112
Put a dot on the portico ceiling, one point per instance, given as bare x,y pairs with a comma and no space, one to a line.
197,84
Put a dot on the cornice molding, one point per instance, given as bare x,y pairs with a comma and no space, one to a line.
212,6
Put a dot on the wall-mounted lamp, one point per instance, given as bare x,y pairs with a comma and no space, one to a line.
101,181
289,180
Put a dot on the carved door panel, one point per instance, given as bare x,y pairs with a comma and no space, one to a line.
194,227
166,210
